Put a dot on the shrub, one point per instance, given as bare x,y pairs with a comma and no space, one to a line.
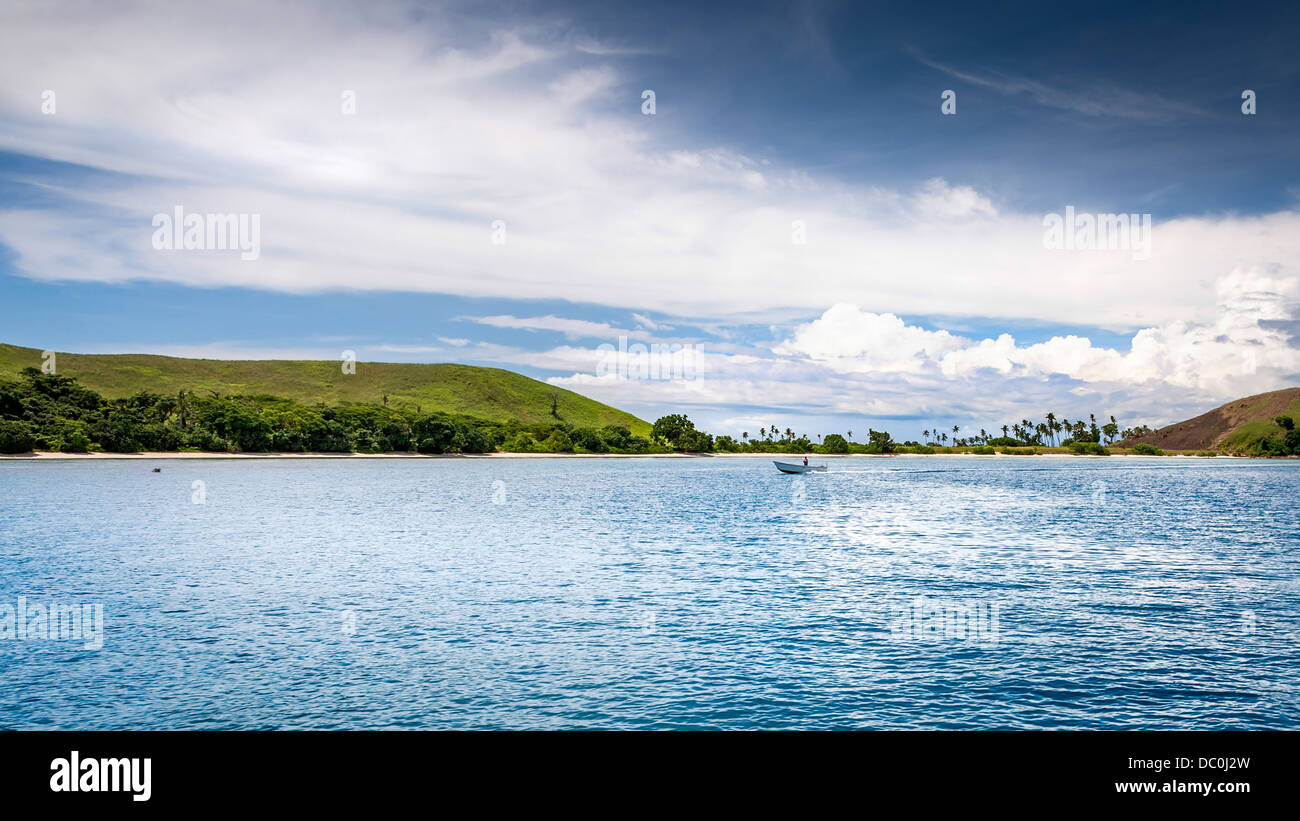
470,440
835,443
982,450
1088,449
1206,453
1006,440
434,433
1147,449
1020,451
725,444
16,437
1292,441
522,442
616,436
588,440
912,448
557,442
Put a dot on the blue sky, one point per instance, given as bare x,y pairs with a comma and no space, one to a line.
921,291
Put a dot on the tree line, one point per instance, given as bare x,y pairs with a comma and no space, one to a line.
43,411
1051,432
49,412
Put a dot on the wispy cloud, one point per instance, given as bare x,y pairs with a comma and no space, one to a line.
573,328
1089,99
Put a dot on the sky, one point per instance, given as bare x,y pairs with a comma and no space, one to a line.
841,212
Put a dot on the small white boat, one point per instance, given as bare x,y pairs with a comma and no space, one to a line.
787,467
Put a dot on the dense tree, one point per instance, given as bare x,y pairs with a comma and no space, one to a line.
46,412
16,437
879,441
679,433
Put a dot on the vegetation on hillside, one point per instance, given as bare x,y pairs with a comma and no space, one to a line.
1266,437
490,394
42,411
1246,426
48,412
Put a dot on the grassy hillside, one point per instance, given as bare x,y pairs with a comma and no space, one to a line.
1241,426
486,393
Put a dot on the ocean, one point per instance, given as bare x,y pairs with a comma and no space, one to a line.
496,593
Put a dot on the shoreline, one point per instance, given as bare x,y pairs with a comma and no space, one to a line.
45,456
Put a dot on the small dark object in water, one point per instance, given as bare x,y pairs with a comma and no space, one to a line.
157,470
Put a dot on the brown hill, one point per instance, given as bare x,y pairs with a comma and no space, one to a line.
1228,426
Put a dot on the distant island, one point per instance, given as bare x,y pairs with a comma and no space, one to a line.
140,403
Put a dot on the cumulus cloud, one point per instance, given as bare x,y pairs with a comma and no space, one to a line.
1249,344
848,339
852,362
1246,349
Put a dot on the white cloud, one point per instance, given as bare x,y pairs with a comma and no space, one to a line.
458,126
1245,350
572,328
460,123
849,339
648,323
940,200
583,84
851,362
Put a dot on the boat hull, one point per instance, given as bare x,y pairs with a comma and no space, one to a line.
787,467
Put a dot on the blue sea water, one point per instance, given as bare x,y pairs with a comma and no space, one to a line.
886,593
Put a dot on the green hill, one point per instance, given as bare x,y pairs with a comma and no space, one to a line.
1244,426
487,393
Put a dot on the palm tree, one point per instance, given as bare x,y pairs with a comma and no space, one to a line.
851,432
762,432
745,436
1004,430
1051,424
955,428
